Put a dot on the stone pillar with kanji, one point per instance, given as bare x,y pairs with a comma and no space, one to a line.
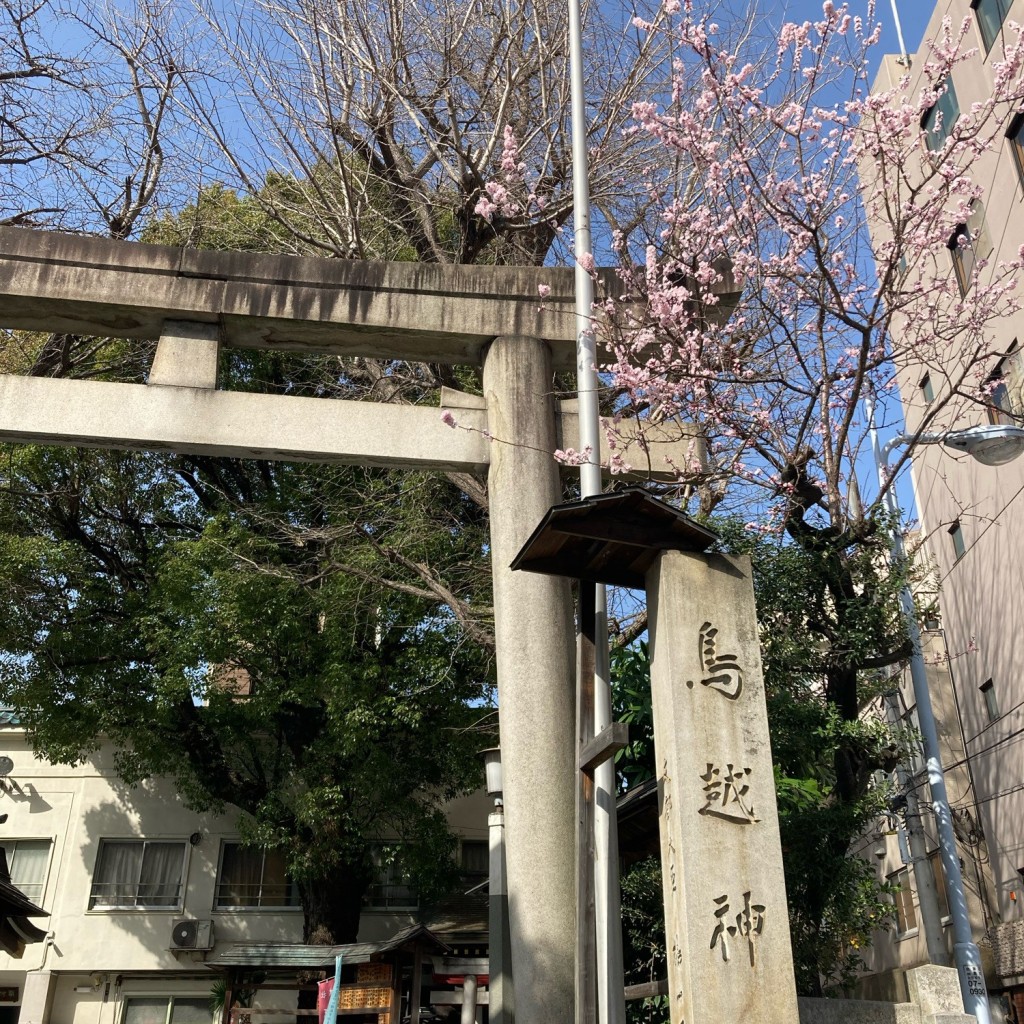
726,923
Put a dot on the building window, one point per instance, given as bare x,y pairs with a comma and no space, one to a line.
938,120
1000,409
988,691
27,861
968,244
392,887
960,248
991,15
903,897
939,875
138,873
927,388
251,876
475,858
167,1010
1002,389
957,536
1015,133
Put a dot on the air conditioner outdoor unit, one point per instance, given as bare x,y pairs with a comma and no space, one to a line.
192,934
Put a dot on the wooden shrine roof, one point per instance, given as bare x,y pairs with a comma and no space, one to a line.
610,538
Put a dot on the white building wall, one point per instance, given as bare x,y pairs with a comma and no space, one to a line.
94,960
981,591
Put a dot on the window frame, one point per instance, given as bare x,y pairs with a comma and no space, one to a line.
976,247
36,898
991,699
939,878
927,388
377,896
1015,137
983,24
1003,385
903,902
291,889
135,906
956,532
169,999
950,115
963,257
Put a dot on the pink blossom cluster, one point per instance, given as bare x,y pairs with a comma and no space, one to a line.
768,308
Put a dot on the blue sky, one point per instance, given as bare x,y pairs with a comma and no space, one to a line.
914,15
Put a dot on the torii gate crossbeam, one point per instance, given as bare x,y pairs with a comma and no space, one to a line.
196,302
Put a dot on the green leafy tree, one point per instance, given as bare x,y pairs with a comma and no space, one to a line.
145,607
309,644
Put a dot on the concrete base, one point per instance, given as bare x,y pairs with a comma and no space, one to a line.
934,999
935,989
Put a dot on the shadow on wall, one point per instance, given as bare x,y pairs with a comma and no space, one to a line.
149,862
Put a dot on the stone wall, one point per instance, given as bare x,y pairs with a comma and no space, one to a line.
1008,948
934,999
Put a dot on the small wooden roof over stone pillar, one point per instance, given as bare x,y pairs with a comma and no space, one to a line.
610,538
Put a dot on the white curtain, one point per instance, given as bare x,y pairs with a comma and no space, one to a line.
160,877
117,875
27,860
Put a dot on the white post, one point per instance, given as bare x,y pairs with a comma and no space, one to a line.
499,989
469,999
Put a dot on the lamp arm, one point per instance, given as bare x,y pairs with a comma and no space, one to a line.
903,439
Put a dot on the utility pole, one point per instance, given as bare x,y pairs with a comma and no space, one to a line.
611,1004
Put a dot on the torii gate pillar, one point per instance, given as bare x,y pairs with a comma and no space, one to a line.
535,657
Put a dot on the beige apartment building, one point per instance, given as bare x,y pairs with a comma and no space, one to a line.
144,894
972,521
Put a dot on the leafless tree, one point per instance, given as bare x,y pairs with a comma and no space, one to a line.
390,118
86,104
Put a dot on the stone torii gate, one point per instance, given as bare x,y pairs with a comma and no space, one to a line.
196,302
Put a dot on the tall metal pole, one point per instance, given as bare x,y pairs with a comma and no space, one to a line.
899,35
965,951
610,991
924,877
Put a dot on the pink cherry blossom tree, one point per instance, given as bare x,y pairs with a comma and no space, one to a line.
804,256
785,168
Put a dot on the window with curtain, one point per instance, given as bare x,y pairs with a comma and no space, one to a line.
167,1010
253,877
138,873
27,861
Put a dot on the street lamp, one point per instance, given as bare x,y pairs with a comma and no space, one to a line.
993,446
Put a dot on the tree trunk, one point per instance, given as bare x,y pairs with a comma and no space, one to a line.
331,905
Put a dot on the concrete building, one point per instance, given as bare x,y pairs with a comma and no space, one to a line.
143,892
972,520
